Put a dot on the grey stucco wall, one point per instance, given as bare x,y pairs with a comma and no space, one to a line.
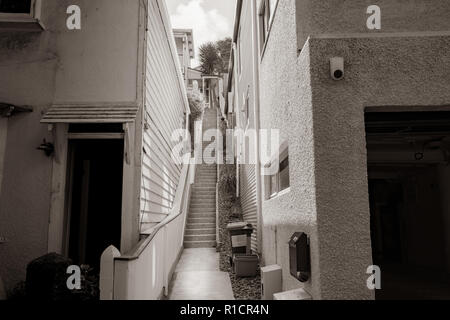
350,16
286,105
42,68
390,71
323,121
27,72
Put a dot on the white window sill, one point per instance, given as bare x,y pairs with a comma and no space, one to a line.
279,194
19,22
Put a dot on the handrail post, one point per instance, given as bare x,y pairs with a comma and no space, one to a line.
107,273
165,264
217,218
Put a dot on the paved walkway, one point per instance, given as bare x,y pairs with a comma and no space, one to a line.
197,277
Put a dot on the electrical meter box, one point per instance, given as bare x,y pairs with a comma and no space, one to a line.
299,257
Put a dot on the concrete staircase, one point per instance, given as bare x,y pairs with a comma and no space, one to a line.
201,224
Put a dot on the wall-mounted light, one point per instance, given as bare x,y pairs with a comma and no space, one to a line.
8,110
47,147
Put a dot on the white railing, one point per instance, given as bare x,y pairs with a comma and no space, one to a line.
145,273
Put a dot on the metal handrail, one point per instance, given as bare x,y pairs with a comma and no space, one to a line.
176,212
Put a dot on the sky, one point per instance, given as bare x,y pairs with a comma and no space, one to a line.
211,20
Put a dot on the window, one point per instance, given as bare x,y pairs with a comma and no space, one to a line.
239,52
246,109
266,14
15,6
280,181
264,19
20,13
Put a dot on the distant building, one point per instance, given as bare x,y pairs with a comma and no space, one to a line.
184,40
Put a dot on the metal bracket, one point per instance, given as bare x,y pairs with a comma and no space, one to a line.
126,139
8,110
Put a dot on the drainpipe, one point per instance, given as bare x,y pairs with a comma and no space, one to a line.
237,112
3,135
256,91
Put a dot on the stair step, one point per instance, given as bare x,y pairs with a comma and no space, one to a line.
204,203
202,215
202,210
199,244
199,209
192,226
200,237
191,232
211,198
201,220
206,188
206,197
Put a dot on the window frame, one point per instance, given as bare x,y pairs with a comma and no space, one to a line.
239,48
272,191
264,27
34,17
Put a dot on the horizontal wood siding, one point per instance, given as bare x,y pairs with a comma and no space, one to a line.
249,201
164,113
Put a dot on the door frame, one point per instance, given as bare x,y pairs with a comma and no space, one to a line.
58,231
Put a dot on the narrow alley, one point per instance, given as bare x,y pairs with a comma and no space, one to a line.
197,276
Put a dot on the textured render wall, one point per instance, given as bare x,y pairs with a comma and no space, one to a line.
286,105
245,86
323,120
42,68
27,78
409,71
340,17
89,68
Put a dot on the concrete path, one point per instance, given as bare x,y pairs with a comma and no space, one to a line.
197,277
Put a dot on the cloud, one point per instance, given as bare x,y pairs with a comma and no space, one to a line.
208,25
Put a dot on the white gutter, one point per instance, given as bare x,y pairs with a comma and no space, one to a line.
256,92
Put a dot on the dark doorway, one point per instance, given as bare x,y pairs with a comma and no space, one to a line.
409,192
95,199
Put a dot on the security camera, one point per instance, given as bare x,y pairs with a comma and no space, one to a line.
337,68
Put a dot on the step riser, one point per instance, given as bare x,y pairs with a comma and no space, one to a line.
202,220
203,205
192,226
211,205
202,216
206,237
191,245
195,232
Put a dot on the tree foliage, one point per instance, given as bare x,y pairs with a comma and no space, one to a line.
224,48
209,58
215,56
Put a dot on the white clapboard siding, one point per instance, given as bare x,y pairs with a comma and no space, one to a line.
249,200
164,113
